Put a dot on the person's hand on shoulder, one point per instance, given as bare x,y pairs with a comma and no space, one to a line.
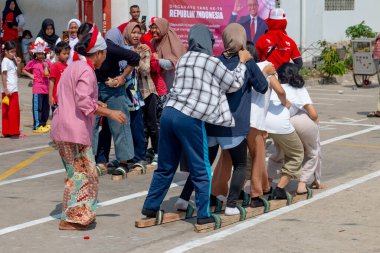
244,56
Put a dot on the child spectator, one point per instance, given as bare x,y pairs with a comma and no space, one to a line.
62,51
25,45
38,71
10,103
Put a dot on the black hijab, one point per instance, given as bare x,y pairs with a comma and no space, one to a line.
201,39
8,10
51,40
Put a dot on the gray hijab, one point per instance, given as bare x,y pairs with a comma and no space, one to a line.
201,39
116,37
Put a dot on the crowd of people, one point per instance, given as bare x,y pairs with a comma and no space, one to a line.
160,102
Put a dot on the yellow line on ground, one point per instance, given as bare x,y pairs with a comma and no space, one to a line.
25,163
358,145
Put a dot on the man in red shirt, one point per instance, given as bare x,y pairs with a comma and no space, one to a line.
62,50
276,46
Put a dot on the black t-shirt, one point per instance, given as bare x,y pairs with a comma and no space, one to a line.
115,54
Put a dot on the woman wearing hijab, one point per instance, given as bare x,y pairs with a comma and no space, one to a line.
143,88
233,139
47,34
198,96
72,131
72,28
169,49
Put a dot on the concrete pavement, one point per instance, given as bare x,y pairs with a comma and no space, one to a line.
345,221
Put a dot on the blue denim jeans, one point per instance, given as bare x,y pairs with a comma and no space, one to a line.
116,99
104,143
181,133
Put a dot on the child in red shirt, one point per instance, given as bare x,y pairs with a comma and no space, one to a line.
62,51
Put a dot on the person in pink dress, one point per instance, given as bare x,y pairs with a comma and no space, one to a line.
72,127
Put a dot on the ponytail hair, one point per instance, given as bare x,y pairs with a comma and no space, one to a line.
289,73
252,50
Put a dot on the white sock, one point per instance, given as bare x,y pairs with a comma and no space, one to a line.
181,204
231,211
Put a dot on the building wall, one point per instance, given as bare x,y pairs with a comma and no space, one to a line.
35,11
120,9
336,22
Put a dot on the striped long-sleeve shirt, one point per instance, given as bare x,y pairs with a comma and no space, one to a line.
200,88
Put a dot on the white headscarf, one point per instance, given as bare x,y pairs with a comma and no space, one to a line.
72,42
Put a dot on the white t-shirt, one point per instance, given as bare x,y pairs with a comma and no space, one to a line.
12,79
260,104
278,117
298,97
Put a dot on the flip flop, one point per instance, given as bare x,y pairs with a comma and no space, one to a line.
140,166
373,115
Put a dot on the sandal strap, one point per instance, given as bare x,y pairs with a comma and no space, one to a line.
243,212
266,204
309,192
122,170
189,211
159,217
218,221
246,199
219,205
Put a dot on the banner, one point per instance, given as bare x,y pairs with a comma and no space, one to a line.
217,14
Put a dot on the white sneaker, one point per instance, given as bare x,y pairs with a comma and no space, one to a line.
155,160
181,204
231,211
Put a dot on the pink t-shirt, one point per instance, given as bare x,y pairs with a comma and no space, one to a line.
40,83
74,117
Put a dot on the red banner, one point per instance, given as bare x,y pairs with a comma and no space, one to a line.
216,14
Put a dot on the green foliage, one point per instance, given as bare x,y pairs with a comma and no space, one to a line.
360,30
305,72
330,64
348,61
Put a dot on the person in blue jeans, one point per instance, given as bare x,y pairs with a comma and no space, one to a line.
233,139
198,96
111,91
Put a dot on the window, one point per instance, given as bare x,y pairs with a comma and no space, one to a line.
339,5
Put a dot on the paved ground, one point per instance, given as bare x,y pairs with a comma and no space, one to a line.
343,218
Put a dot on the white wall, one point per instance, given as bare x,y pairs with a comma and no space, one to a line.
120,10
336,22
35,11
